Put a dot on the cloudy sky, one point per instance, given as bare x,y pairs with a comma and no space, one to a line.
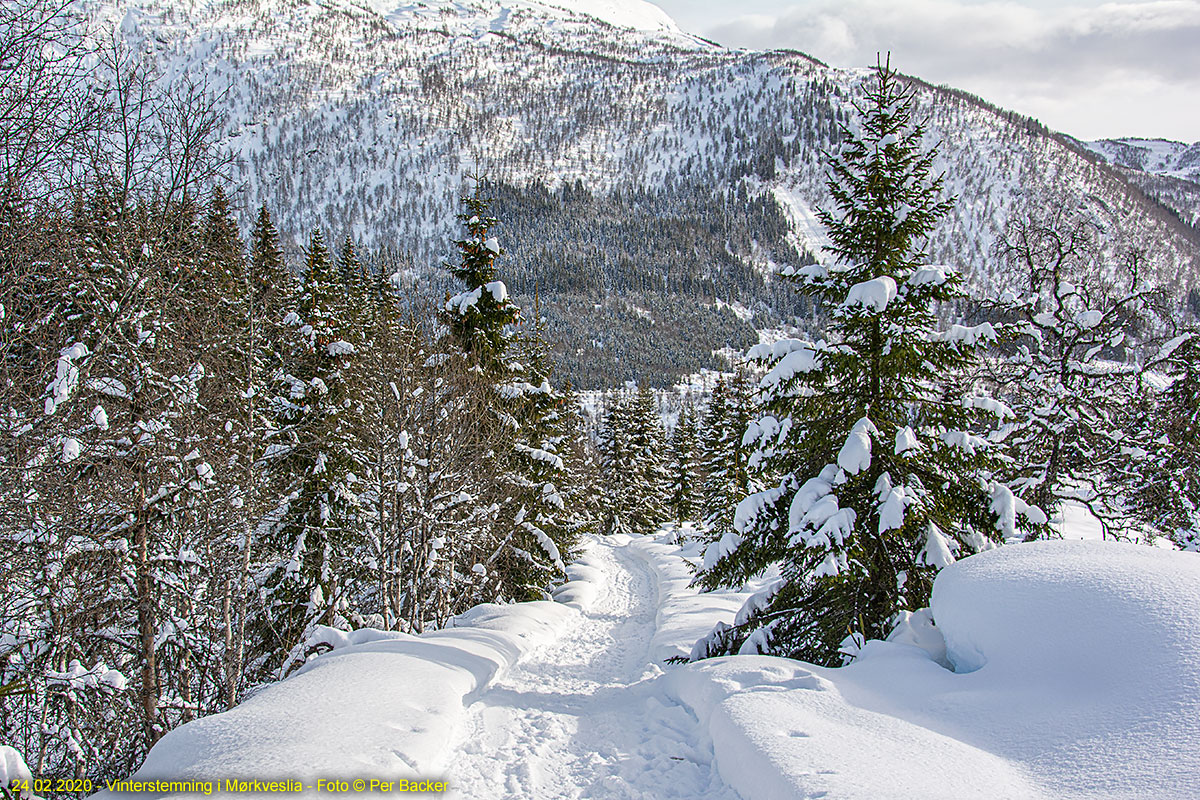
1091,69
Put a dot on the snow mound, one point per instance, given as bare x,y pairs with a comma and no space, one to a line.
1128,613
585,578
1078,678
781,730
1085,655
379,704
14,769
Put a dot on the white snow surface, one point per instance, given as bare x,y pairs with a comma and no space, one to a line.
635,14
381,704
589,717
873,295
1078,678
13,768
1082,662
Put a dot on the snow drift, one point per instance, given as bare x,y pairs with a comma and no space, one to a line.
380,704
1078,676
1083,662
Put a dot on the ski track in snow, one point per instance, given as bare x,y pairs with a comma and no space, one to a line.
585,717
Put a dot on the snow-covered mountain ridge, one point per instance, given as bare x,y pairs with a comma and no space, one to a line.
643,173
1159,156
1166,170
635,14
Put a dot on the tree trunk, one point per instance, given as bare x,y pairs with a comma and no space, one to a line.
145,612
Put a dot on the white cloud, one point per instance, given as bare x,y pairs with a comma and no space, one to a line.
1121,68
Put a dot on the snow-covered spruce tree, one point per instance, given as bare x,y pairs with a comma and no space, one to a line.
479,316
539,470
723,457
1073,373
884,462
650,471
529,541
582,493
314,536
684,500
355,282
616,475
633,464
266,255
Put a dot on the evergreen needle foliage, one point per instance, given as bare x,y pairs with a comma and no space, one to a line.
886,473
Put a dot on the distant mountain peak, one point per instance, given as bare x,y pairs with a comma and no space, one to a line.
1156,156
634,14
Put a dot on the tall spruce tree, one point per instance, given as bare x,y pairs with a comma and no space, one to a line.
265,253
684,502
315,537
614,458
267,290
882,449
480,315
648,503
541,442
723,458
529,538
236,415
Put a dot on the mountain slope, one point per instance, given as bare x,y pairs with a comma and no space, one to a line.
644,171
1165,170
1158,156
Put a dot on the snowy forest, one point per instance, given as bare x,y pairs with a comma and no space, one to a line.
219,450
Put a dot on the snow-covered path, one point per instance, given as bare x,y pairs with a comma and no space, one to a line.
1082,681
586,716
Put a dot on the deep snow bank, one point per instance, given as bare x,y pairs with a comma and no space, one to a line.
1083,682
381,704
1084,662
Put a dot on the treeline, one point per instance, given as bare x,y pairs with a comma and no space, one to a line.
695,473
212,455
